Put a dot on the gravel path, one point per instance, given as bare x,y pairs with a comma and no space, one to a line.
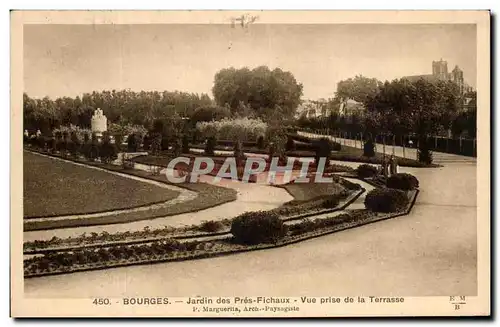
250,197
430,252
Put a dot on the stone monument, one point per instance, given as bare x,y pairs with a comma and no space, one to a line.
99,123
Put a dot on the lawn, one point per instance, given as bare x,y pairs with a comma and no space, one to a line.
208,196
53,187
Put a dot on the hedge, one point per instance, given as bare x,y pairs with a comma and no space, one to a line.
386,200
402,181
366,171
258,227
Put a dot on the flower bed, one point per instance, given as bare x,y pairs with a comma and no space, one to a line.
243,129
164,160
286,213
172,250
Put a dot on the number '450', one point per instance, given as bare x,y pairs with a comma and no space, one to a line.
101,301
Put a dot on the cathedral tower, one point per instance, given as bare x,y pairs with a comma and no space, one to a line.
440,69
457,76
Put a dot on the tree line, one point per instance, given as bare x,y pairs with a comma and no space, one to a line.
399,108
258,92
124,107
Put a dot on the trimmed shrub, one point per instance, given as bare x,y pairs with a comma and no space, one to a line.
261,144
51,143
146,144
211,226
93,148
323,150
86,137
238,152
369,149
165,142
132,143
386,200
402,181
156,144
366,171
118,141
185,144
41,141
210,146
177,147
74,145
107,150
258,227
424,154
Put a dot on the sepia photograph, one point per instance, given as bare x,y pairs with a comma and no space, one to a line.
250,164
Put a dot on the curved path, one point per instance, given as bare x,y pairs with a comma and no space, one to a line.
410,153
430,252
184,195
250,197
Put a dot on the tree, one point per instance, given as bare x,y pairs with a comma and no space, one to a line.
471,122
359,89
260,88
127,107
422,106
209,114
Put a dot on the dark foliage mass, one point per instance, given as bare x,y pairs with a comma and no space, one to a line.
386,200
262,89
140,108
258,227
402,181
366,171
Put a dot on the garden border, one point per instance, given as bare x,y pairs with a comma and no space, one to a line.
349,200
204,255
36,225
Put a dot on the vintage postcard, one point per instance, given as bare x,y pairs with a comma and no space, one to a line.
250,164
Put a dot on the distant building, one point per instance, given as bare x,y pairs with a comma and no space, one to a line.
350,106
312,109
440,72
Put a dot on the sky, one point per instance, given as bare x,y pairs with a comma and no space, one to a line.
68,60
